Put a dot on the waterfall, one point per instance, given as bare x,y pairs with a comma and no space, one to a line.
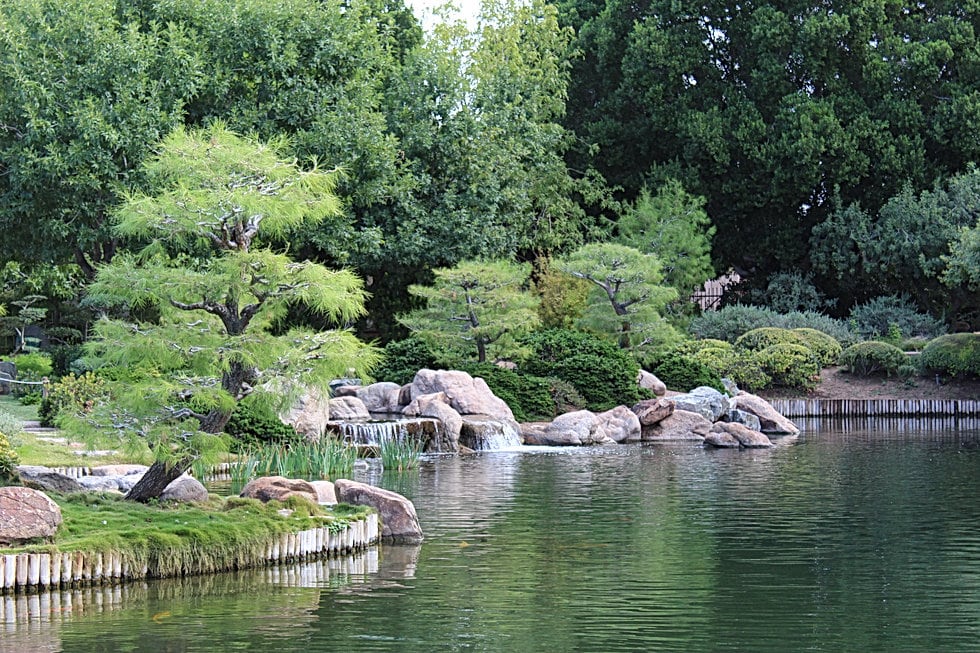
376,432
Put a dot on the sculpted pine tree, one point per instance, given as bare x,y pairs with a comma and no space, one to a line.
201,305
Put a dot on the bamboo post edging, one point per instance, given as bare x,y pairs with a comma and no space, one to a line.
26,572
876,407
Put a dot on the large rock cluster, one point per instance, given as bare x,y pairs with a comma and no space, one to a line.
469,414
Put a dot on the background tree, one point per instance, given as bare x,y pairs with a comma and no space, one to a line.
217,288
673,226
627,296
476,307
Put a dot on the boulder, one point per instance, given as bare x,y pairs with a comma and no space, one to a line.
705,401
405,394
100,483
380,397
26,514
737,416
45,478
746,437
487,433
325,492
620,424
652,383
769,419
437,406
679,425
399,523
279,488
467,395
344,391
309,414
119,470
651,411
721,440
578,428
185,489
347,408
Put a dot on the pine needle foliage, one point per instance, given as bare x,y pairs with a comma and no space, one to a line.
194,318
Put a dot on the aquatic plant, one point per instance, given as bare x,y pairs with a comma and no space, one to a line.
399,454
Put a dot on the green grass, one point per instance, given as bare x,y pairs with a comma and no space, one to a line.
13,407
181,538
34,451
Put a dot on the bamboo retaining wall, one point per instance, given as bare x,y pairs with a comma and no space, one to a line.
21,572
876,407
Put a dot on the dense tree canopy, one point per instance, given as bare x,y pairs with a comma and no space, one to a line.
774,110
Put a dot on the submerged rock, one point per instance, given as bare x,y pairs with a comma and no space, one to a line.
745,436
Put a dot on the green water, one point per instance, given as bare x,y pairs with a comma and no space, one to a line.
864,541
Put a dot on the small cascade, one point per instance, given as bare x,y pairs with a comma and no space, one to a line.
488,434
373,433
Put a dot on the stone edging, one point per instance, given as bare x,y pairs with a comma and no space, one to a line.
20,572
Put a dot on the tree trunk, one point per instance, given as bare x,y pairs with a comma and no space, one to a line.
156,479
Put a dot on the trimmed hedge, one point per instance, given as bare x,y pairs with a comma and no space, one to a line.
873,357
604,374
253,423
684,371
730,322
825,346
403,358
529,397
790,366
956,355
759,339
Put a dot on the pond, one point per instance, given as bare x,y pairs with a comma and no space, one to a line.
865,540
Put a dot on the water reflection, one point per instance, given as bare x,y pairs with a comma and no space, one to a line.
865,539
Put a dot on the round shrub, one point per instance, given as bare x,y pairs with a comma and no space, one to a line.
403,358
790,366
601,372
684,372
742,367
10,424
759,339
873,357
730,322
8,459
253,423
826,347
957,354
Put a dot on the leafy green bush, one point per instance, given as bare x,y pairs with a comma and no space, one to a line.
957,354
790,366
34,366
790,291
873,357
71,393
403,358
874,319
8,460
684,371
759,339
601,372
826,347
730,322
742,367
62,356
254,424
529,397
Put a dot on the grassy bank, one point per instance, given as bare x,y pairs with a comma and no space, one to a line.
171,540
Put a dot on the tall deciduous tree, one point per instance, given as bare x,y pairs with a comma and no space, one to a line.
216,289
627,297
476,308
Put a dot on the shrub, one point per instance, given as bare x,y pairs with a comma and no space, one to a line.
790,291
873,319
873,357
957,354
684,371
742,367
601,372
403,358
759,339
731,322
9,424
71,393
62,356
253,423
529,397
790,365
30,367
826,347
8,460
